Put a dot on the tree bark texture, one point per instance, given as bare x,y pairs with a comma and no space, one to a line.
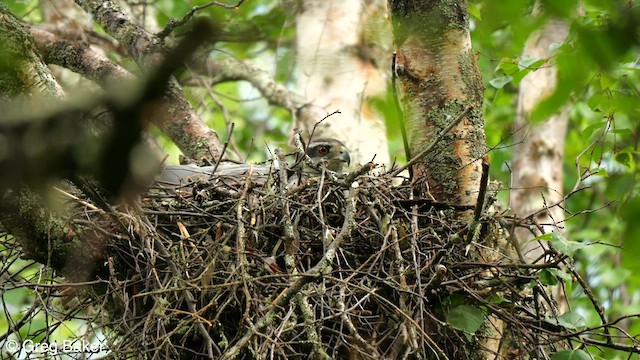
536,181
437,80
21,69
342,61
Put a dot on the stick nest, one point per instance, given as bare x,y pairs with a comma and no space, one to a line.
246,267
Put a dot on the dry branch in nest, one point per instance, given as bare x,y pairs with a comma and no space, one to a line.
251,267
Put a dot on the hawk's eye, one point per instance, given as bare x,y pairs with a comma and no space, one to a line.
323,150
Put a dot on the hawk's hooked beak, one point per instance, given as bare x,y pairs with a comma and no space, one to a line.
344,155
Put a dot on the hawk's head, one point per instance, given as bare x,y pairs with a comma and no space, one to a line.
331,152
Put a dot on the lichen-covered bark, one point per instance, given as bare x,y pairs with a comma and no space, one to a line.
343,59
438,79
48,237
44,234
21,70
80,58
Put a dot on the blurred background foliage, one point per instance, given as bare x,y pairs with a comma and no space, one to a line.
599,74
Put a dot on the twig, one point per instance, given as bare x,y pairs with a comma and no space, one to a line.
344,315
291,242
241,244
174,23
80,201
593,299
212,348
400,269
320,122
484,181
433,143
286,295
396,103
308,316
325,229
224,149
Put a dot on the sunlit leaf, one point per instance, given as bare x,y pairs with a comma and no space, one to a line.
593,127
474,10
561,274
531,63
601,172
544,237
507,66
565,246
500,81
570,320
600,101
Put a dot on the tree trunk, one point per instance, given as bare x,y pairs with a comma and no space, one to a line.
438,81
342,61
441,94
536,181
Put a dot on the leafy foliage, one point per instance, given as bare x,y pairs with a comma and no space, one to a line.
598,71
599,74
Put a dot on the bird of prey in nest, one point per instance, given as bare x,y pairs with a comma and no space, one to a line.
328,154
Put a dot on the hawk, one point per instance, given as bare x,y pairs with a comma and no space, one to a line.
330,154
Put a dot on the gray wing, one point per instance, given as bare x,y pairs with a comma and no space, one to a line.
181,175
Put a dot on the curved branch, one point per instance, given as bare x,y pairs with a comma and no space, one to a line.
80,58
174,115
275,93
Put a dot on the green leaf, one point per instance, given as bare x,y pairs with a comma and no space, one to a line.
546,278
559,274
507,66
500,81
570,355
564,8
600,101
466,318
624,158
568,320
624,132
572,77
498,299
606,44
524,67
593,127
544,237
564,246
453,300
474,10
602,172
531,63
630,213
